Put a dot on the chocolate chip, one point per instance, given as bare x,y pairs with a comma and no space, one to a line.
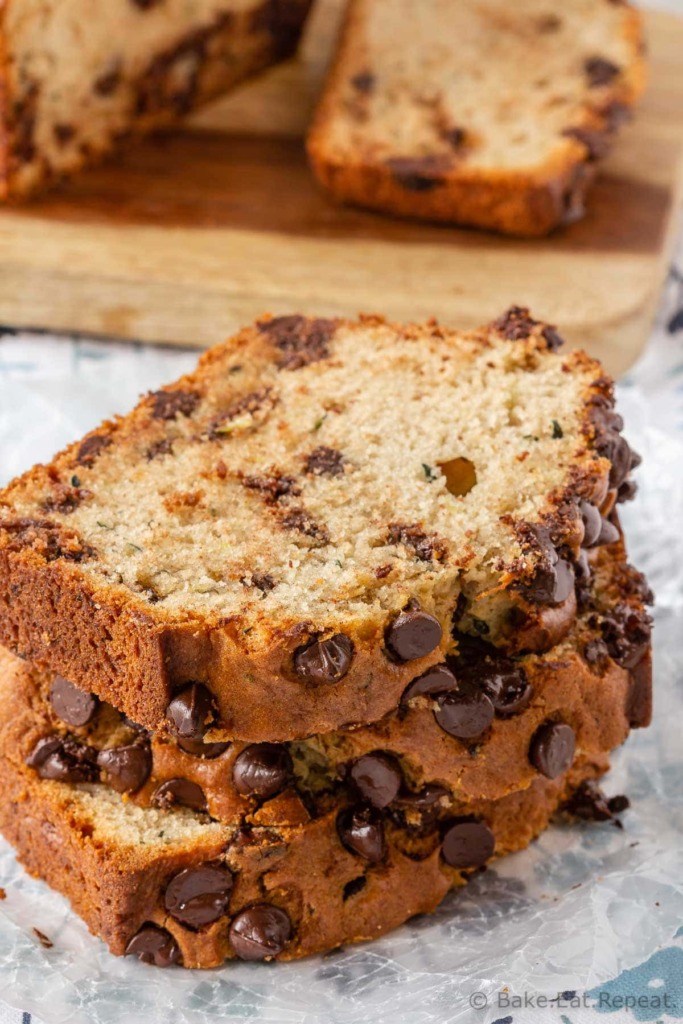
364,81
261,581
325,461
438,679
553,580
609,534
592,523
553,338
260,932
65,499
361,831
299,519
182,792
377,778
515,324
63,760
191,712
466,714
273,487
627,491
427,547
159,448
618,804
595,652
455,137
63,133
70,704
419,173
324,661
43,749
552,749
154,945
413,634
600,71
199,896
127,767
588,802
419,810
108,81
626,631
302,341
91,448
468,843
582,569
564,581
506,685
167,405
262,770
618,451
205,750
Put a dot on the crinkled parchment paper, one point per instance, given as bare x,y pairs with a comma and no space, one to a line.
583,903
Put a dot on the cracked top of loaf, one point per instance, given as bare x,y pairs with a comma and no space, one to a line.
299,523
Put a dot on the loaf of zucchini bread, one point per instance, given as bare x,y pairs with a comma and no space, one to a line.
485,114
77,77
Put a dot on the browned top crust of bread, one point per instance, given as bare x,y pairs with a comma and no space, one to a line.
298,525
484,114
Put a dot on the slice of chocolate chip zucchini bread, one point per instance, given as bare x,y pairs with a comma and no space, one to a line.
75,81
299,525
175,887
480,726
484,114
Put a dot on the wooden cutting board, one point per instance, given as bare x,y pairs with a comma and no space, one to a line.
189,235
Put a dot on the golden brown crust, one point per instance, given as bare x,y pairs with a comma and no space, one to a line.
530,202
116,888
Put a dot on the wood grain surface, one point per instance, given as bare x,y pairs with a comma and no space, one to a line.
186,236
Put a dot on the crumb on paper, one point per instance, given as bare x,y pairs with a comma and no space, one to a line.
3,894
43,939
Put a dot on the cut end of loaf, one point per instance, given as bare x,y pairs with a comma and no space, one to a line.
311,513
489,115
327,484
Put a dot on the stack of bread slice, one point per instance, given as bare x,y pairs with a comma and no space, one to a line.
316,632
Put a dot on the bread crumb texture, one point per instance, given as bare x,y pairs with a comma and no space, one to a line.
312,470
483,113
